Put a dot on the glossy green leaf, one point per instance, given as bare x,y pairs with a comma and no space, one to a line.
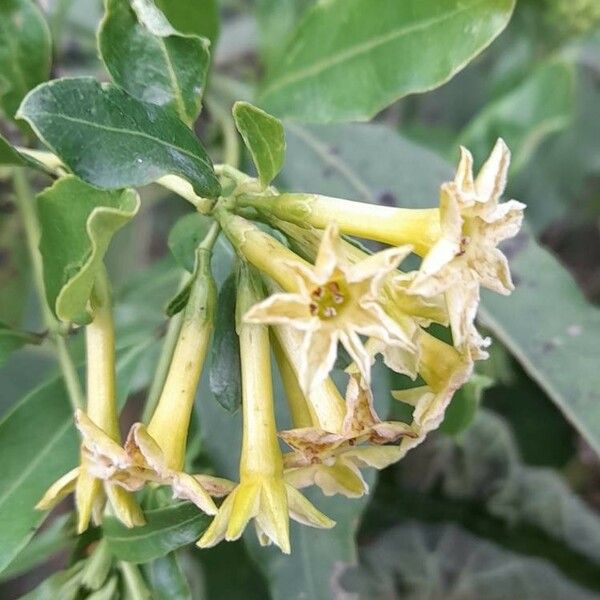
558,348
166,530
115,140
417,560
166,579
540,105
25,52
200,17
264,137
77,222
185,236
349,59
152,61
38,444
13,339
224,373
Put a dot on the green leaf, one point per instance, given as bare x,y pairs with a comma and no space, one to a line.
416,560
264,137
13,339
348,59
166,579
277,20
200,17
225,374
25,52
483,484
9,156
59,536
185,237
38,445
115,140
151,60
465,402
557,347
166,530
62,584
77,222
540,105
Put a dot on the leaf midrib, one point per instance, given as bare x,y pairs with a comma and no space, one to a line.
121,131
350,53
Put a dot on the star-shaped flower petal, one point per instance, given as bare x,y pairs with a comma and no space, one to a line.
270,501
335,301
466,255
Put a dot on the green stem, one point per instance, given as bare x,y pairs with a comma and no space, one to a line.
25,205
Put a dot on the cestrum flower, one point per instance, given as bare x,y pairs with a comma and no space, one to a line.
158,451
262,494
330,302
328,430
102,471
466,255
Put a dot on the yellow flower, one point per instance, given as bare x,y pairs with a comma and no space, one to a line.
444,371
332,461
335,301
151,464
466,255
327,429
262,493
102,471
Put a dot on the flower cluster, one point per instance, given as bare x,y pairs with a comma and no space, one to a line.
303,293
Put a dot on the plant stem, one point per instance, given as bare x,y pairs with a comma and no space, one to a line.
134,582
25,205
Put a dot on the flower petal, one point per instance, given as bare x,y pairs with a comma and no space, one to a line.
491,180
273,514
302,511
317,357
216,530
126,509
286,309
246,505
377,265
186,487
87,491
60,489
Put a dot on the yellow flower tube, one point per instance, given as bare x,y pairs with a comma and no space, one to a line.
262,493
395,226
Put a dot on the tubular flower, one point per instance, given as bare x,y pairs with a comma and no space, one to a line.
158,452
335,301
262,494
466,255
101,472
327,429
332,461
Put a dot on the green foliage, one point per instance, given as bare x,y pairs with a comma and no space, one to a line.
540,105
13,339
166,579
224,373
77,222
126,142
25,52
264,137
37,445
166,530
336,44
200,17
151,60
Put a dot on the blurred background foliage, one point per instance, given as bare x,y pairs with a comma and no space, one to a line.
503,501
